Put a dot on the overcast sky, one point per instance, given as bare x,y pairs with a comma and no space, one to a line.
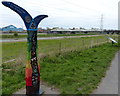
65,13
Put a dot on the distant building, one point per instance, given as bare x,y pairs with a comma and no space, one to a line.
40,30
59,30
11,28
74,30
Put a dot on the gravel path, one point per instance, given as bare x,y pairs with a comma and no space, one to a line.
45,38
44,87
109,84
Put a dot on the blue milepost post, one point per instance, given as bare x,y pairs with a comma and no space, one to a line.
32,73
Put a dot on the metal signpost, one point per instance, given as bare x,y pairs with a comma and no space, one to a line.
32,67
113,41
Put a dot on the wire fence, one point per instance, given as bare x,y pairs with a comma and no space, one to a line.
72,44
55,47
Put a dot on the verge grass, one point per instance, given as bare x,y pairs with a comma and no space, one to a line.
14,50
78,72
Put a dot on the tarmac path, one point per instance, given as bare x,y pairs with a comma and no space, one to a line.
109,84
45,38
43,87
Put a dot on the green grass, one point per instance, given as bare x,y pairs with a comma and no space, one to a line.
12,79
12,36
13,72
14,50
78,72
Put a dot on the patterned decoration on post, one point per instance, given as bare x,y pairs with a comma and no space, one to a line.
32,66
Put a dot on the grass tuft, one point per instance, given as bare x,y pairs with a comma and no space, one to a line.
78,72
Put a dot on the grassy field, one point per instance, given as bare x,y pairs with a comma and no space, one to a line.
42,35
18,49
50,52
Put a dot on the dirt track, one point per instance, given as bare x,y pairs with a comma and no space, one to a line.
44,87
45,38
109,84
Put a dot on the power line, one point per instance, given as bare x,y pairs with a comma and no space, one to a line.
77,5
52,8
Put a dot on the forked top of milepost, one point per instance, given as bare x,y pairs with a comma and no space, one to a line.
27,18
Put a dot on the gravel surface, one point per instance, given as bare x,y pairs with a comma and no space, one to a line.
109,84
44,87
45,38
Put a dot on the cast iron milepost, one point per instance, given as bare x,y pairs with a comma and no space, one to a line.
32,67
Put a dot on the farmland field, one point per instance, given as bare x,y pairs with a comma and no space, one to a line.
15,50
55,55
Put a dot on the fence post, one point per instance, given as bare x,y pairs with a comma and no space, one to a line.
91,43
59,48
83,42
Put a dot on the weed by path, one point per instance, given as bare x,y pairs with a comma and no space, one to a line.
78,72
